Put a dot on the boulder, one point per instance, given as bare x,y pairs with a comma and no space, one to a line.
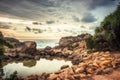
12,40
37,57
48,48
84,36
68,41
99,71
52,77
65,41
80,70
108,70
28,47
64,66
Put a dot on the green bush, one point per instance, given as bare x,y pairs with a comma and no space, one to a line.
90,43
6,43
109,31
90,51
2,50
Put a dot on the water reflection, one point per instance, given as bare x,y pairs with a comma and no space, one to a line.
29,67
1,69
29,63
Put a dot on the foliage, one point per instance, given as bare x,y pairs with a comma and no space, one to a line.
6,43
2,50
3,43
90,51
89,42
108,33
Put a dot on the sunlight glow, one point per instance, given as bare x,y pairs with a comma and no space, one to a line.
9,20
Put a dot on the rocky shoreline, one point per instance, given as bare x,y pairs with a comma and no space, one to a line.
27,49
86,70
85,66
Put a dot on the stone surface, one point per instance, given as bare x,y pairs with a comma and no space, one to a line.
64,66
28,47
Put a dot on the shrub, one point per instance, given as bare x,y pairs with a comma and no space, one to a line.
90,43
109,31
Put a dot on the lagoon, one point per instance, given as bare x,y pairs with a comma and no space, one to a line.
30,67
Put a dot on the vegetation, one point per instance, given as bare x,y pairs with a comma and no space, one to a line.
107,35
3,43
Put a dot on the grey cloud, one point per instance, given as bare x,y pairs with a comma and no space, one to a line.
36,9
76,19
13,9
50,22
97,3
30,9
51,10
48,3
24,9
82,26
88,18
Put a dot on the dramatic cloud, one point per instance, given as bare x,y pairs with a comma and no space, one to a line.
100,3
82,26
50,22
76,19
70,13
37,9
88,18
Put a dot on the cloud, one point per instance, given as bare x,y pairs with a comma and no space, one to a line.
15,8
50,22
43,10
48,3
92,27
76,19
82,26
88,18
100,3
51,9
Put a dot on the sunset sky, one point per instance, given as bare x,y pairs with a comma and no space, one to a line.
56,18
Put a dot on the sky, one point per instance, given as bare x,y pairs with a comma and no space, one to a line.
73,16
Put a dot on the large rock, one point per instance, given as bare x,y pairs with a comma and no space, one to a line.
52,77
64,66
12,40
67,41
47,48
28,47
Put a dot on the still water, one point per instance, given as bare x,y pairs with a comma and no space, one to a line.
29,67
